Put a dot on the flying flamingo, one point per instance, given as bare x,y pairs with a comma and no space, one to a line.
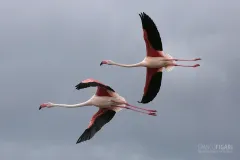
155,60
108,102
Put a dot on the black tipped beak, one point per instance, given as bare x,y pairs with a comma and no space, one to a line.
101,63
40,107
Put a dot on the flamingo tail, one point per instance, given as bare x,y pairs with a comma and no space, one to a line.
169,68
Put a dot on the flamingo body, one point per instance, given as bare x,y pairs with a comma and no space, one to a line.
155,61
108,102
103,99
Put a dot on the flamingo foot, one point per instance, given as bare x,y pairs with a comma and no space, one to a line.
148,110
196,65
152,110
152,114
197,59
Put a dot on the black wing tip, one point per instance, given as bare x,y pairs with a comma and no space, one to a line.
109,88
83,138
92,84
143,14
86,135
79,86
80,141
144,101
106,87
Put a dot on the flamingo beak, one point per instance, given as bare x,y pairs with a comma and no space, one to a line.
103,62
43,106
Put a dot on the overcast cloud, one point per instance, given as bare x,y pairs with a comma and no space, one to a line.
48,46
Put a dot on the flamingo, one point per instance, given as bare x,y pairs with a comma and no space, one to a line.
107,100
154,61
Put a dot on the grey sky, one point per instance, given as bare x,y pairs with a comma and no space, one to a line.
48,46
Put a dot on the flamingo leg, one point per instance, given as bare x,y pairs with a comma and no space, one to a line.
149,110
174,64
196,65
127,107
173,59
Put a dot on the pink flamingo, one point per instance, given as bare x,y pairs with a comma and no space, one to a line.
155,60
108,102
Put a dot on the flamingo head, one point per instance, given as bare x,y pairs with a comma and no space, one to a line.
44,105
109,62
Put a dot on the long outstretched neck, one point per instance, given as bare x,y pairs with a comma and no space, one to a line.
87,103
128,65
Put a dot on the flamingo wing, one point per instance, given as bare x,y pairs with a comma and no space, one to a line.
152,84
151,36
99,119
102,88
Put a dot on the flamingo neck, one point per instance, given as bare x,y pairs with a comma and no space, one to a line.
128,65
87,103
